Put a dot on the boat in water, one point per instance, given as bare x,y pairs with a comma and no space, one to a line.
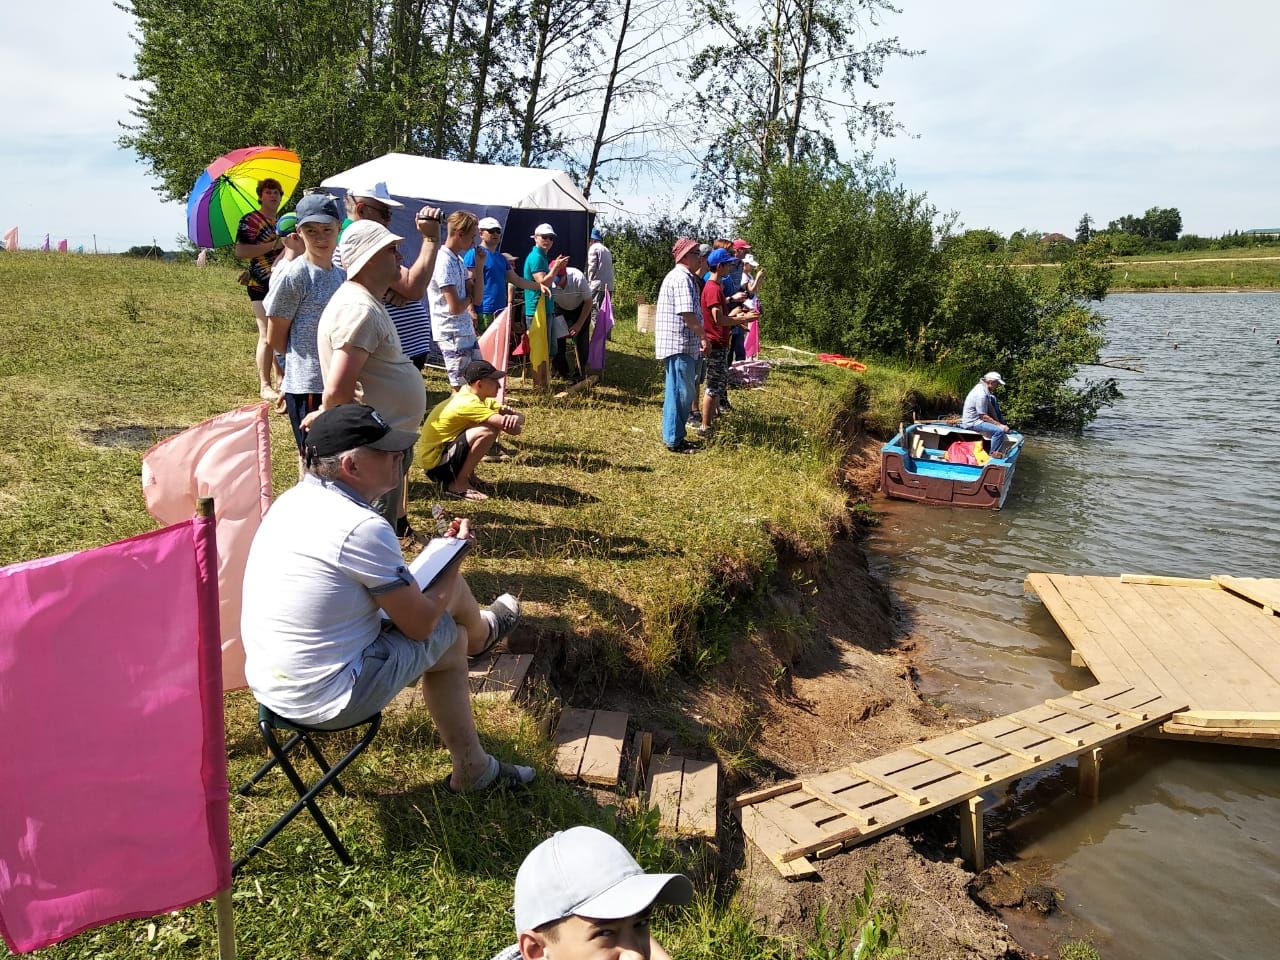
943,463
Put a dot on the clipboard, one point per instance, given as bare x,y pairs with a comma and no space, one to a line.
440,556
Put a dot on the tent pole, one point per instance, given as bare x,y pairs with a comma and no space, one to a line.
226,925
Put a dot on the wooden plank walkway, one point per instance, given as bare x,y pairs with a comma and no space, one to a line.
589,745
686,793
1212,644
800,820
502,676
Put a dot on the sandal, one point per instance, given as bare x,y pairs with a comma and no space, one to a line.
471,493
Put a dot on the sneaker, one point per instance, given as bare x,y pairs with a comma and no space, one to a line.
704,431
695,420
502,616
684,446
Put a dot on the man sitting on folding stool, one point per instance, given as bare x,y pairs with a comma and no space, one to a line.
325,566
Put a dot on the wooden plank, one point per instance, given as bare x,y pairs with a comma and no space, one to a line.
1081,713
766,793
507,674
665,775
1084,696
602,760
1073,739
1029,755
971,846
770,841
833,840
1263,591
1046,587
1109,631
837,803
1232,719
642,751
982,776
801,830
571,740
1157,581
1090,774
906,792
699,799
1246,627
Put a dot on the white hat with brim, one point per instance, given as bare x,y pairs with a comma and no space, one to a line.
378,192
360,242
489,223
544,230
994,376
585,872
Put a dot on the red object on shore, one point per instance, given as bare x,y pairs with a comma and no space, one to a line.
842,361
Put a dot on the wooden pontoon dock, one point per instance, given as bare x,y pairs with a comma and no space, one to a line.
1211,644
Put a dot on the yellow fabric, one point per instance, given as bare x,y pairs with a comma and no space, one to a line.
980,454
447,419
538,352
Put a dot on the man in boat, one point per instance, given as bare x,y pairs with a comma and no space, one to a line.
982,411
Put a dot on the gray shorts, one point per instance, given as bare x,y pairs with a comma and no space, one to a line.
388,505
387,666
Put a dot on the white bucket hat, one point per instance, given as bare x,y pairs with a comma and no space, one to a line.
377,192
544,230
361,241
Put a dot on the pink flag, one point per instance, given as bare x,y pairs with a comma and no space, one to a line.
113,773
44,247
604,324
495,346
11,239
228,458
752,343
62,245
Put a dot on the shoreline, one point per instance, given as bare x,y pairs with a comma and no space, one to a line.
1179,289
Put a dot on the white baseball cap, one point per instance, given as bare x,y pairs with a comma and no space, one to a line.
994,376
362,240
489,223
377,192
544,230
587,873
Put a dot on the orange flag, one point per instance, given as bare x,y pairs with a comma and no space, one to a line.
228,458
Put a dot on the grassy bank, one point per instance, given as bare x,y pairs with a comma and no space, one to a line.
631,562
1248,268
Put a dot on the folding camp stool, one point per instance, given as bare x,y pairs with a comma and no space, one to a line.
270,725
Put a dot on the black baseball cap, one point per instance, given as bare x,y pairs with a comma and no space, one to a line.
352,425
481,370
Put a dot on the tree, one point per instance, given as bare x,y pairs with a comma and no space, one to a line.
776,77
1163,223
1084,229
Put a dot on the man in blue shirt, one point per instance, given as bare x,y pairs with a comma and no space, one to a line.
982,411
498,274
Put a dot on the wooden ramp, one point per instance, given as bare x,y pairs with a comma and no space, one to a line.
817,817
501,676
1211,644
685,792
589,745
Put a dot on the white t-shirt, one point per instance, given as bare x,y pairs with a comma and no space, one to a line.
450,272
315,569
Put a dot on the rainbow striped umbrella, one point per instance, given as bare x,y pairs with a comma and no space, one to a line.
228,189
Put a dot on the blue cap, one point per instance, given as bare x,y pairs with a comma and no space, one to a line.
318,208
596,234
719,256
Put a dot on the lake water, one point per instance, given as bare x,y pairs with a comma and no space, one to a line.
1181,858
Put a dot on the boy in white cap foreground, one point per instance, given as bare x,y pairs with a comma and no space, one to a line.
580,895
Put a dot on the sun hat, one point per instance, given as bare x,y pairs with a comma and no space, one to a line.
481,370
489,223
994,376
717,257
682,248
377,192
360,241
544,230
352,425
317,208
739,245
585,872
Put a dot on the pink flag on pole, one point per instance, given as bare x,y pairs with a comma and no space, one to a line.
495,346
44,246
751,346
11,239
228,458
604,324
113,774
62,245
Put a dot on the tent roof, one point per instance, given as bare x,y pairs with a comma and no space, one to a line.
482,184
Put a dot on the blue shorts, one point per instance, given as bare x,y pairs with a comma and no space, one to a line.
387,666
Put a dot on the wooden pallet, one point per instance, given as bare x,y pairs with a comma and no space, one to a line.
1213,644
686,793
816,817
502,676
589,745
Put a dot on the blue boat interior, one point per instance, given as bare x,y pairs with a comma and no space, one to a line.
928,443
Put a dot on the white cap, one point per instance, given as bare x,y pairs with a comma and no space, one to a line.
544,230
377,192
585,872
994,376
750,260
489,223
360,241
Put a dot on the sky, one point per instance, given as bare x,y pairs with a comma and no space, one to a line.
1018,115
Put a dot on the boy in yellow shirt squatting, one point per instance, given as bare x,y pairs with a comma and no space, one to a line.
460,430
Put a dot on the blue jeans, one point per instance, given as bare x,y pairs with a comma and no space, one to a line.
738,345
994,431
679,397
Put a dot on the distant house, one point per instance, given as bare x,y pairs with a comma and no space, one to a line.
1050,239
1261,232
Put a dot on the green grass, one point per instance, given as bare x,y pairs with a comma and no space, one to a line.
632,563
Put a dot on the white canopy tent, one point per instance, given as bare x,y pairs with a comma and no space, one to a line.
518,197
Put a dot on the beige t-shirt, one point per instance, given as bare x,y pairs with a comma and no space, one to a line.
389,382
